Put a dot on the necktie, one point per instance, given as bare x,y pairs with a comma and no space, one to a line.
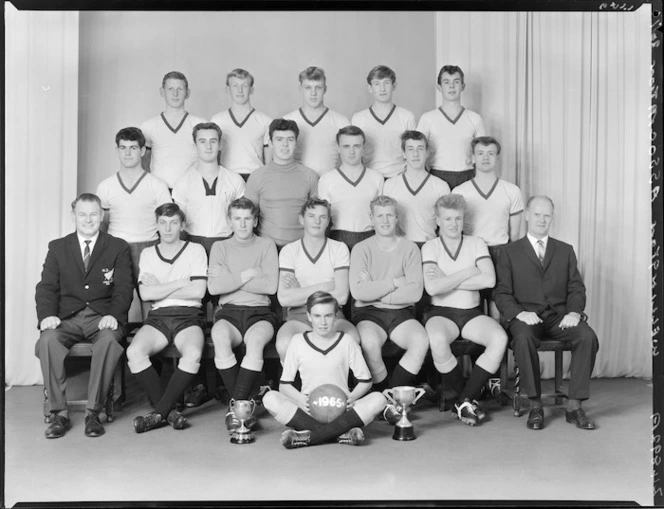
86,255
540,251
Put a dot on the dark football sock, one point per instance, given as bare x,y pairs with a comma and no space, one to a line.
380,386
453,382
401,376
150,382
244,383
175,388
478,377
302,420
229,377
333,429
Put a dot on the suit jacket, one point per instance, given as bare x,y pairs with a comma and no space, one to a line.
525,284
66,287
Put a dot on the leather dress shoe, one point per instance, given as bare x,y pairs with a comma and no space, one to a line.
579,418
535,418
58,427
93,427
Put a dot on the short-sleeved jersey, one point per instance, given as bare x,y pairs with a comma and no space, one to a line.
317,141
242,140
350,200
330,366
173,147
314,268
189,263
383,148
206,205
449,138
234,257
469,251
417,216
488,215
131,211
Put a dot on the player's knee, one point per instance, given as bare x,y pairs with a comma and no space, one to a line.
271,401
499,340
371,345
418,343
190,363
376,402
220,335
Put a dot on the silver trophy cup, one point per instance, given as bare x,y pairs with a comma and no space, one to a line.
403,397
243,409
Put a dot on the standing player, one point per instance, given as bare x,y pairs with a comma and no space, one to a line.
173,274
129,198
244,271
318,124
282,186
168,136
386,281
244,128
383,122
350,189
416,191
455,267
323,356
313,263
450,128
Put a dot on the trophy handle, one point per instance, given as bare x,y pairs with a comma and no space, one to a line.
253,406
420,392
388,394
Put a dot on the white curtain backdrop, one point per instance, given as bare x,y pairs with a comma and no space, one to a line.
41,98
568,96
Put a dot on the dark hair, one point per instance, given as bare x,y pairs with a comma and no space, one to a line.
240,74
243,204
450,69
130,134
175,75
313,73
169,210
485,141
383,201
321,298
206,126
281,124
450,201
316,202
86,197
351,130
379,72
542,196
413,135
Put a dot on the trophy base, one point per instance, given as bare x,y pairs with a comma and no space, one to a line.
403,434
243,438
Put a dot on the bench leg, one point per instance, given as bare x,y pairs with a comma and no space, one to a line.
516,400
48,416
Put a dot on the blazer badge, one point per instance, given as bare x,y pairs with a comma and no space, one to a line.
108,276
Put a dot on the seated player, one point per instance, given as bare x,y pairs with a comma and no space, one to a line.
318,124
450,128
323,355
244,271
386,282
129,198
383,122
455,267
169,149
350,189
313,263
173,274
416,190
282,186
244,128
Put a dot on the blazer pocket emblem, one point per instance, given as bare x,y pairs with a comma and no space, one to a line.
108,276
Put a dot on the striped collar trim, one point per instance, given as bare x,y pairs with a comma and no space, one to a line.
455,255
327,350
487,195
317,257
186,114
359,179
414,192
240,124
313,124
453,121
133,188
382,122
172,260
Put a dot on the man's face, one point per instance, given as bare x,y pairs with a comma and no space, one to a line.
87,216
313,92
539,216
283,145
451,86
242,223
415,152
382,89
384,220
130,153
450,222
315,221
169,228
174,92
207,145
485,157
239,90
350,149
322,318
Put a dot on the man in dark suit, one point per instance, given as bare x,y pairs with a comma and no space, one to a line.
540,292
85,292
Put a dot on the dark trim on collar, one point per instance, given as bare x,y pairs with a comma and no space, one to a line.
210,190
328,350
129,191
359,179
172,260
186,114
313,260
440,108
313,124
414,193
383,122
485,196
240,124
455,255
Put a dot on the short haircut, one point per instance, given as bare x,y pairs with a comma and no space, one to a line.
450,69
321,298
89,197
130,134
312,73
542,196
413,135
383,201
281,124
175,75
169,210
240,74
485,141
380,72
206,126
243,204
351,130
450,201
316,202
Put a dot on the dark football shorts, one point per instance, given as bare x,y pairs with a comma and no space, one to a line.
172,320
243,317
460,317
386,319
